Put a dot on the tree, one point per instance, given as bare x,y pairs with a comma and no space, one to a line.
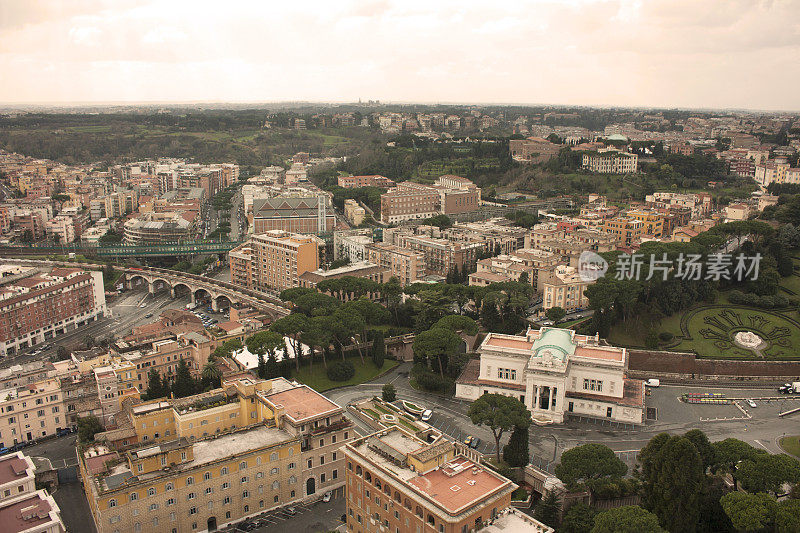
673,477
767,473
292,326
556,314
265,343
548,509
579,518
523,278
516,453
155,386
211,373
749,512
388,393
62,353
500,413
627,519
457,323
435,346
787,517
88,427
589,462
184,384
378,350
703,447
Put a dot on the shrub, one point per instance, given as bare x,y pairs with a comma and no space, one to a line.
430,382
651,340
665,336
341,371
389,393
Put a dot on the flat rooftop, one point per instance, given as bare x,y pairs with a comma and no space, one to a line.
459,484
301,403
12,468
506,342
25,514
206,451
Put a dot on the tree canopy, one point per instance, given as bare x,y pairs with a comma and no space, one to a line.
500,413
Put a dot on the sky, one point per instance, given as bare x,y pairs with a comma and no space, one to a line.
662,53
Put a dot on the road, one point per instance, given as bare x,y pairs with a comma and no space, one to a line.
312,517
760,427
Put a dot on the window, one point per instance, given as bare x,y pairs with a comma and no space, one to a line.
207,476
223,470
190,480
169,486
335,474
153,506
226,500
273,471
242,465
245,494
259,475
321,441
193,510
151,491
225,485
191,496
273,456
322,459
209,490
322,478
292,480
244,479
275,485
310,463
333,458
275,499
171,501
134,496
291,466
112,503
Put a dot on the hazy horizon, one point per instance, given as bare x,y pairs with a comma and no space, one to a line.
736,55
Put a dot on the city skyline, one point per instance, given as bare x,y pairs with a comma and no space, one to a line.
739,55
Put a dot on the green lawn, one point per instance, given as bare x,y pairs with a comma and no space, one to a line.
792,283
317,379
791,445
708,331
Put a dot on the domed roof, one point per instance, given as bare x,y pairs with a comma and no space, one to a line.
555,342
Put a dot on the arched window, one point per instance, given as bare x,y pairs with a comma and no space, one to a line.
377,483
358,470
190,480
207,476
388,490
397,497
242,465
223,470
134,496
258,460
169,486
112,503
151,491
273,471
418,511
367,476
273,456
275,485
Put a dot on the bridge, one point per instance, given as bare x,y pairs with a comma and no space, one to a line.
181,283
122,250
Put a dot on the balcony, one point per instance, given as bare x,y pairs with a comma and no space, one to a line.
336,426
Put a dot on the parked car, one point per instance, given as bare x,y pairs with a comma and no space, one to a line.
148,315
751,403
468,440
475,443
652,383
327,497
426,415
63,432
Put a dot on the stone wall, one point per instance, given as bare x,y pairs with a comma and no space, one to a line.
644,364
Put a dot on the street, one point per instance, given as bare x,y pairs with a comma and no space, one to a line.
758,426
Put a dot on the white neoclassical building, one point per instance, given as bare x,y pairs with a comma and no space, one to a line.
556,373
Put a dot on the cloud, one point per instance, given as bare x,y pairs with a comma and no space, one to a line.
738,53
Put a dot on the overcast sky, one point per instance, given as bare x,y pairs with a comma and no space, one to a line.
685,53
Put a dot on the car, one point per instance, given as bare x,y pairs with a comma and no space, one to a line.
751,403
546,322
426,415
327,497
63,432
291,511
148,315
468,440
475,443
142,305
652,382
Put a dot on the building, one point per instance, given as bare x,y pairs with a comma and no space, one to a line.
556,373
652,221
457,195
626,231
354,213
31,412
698,204
737,212
309,214
397,482
407,266
16,476
533,149
203,462
167,227
35,512
352,182
351,244
610,162
442,256
361,269
773,171
274,260
41,306
564,288
409,201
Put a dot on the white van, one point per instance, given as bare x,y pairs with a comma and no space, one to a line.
426,415
652,383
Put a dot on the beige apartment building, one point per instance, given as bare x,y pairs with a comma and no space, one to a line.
565,289
409,201
206,461
31,412
397,482
441,255
407,266
274,260
354,213
610,162
23,509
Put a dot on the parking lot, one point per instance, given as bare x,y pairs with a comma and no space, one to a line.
310,517
458,431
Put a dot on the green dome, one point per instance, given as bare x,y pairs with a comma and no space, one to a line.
558,341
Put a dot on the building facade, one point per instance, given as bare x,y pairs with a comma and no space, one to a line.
274,260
